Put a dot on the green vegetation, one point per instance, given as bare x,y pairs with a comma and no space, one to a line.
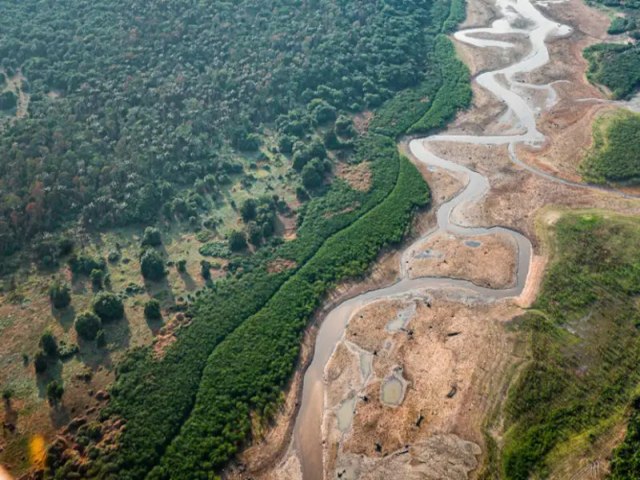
617,65
584,345
108,306
615,155
87,325
59,294
152,265
626,458
162,111
152,310
55,390
49,344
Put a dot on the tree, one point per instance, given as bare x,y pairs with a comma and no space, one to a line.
87,325
49,344
152,310
59,294
151,237
311,178
249,209
181,265
255,233
152,265
205,269
55,390
237,241
108,306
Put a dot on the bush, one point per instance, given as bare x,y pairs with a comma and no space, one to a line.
108,306
249,209
237,241
49,344
151,237
87,325
55,390
152,310
59,294
152,265
181,265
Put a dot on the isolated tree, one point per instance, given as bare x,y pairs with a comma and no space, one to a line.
249,209
151,237
49,344
311,177
237,241
152,310
59,294
205,269
181,265
87,325
108,306
152,265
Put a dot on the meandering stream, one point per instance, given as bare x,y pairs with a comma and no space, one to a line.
502,83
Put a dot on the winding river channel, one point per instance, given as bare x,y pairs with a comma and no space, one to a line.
517,17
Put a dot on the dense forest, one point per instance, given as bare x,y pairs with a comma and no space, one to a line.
615,154
584,349
132,102
617,65
143,113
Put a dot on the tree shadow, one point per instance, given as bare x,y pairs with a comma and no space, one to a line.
53,372
10,414
155,325
160,290
118,337
65,316
189,282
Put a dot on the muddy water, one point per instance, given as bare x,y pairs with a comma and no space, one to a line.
520,18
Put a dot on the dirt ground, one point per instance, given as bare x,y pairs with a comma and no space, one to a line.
454,353
487,260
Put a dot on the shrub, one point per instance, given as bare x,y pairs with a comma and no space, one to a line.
205,269
55,390
87,325
97,277
59,294
181,265
152,310
151,237
108,306
152,265
237,241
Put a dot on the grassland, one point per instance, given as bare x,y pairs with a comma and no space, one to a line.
584,346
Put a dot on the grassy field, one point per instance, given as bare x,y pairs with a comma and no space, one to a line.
615,155
583,344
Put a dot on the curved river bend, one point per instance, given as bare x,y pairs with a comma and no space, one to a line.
307,433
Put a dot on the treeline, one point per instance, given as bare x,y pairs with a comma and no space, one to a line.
615,154
133,104
584,348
